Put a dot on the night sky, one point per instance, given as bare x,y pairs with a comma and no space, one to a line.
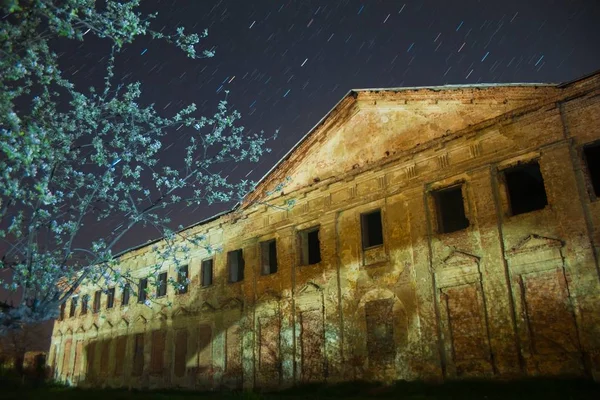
287,63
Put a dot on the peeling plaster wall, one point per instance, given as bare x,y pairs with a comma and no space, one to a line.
509,296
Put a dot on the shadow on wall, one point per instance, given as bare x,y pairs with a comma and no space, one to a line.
276,341
234,348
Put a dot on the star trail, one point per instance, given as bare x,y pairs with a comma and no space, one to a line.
285,64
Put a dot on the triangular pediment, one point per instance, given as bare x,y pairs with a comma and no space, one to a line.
94,327
460,259
535,242
269,295
141,320
80,330
232,304
69,331
395,121
310,288
207,307
160,316
107,325
123,323
180,312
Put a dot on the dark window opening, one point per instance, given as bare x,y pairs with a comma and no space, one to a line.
61,315
73,306
182,279
161,289
97,299
110,298
450,210
372,229
84,304
591,154
142,287
268,257
310,247
235,262
126,293
207,272
525,187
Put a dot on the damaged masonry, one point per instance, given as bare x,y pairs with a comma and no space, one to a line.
438,233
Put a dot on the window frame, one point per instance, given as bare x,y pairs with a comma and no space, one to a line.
126,295
110,298
212,270
73,307
441,228
85,299
240,265
142,290
183,282
304,242
97,305
509,209
365,230
61,313
266,266
161,284
589,181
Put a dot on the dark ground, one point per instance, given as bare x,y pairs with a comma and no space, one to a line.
530,389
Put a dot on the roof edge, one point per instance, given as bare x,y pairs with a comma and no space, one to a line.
350,93
354,93
457,86
581,78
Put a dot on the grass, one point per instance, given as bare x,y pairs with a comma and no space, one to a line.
485,390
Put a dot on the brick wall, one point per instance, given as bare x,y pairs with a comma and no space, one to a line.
503,294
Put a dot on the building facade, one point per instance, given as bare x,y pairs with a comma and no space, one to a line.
438,233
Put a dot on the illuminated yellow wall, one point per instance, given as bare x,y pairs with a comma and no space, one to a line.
508,296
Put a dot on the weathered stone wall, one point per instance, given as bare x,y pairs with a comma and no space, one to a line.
507,296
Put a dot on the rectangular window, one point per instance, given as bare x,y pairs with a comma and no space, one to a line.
77,362
142,286
104,356
310,246
181,341
161,289
84,304
66,365
120,351
525,187
157,353
207,272
126,294
269,329
182,279
138,355
372,230
110,298
591,153
73,306
97,299
268,251
450,209
91,358
61,315
205,347
235,263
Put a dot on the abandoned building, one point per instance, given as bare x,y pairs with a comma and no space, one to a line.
438,233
